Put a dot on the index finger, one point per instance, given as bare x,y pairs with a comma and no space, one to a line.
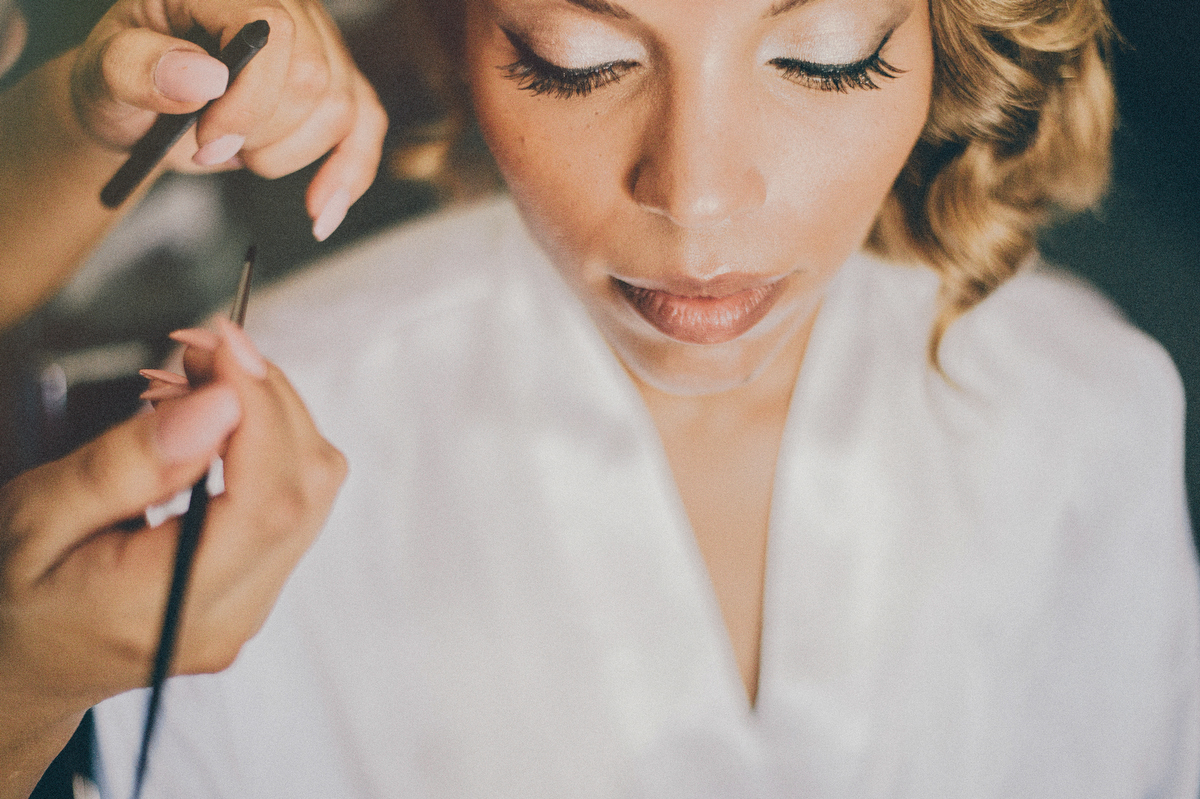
256,93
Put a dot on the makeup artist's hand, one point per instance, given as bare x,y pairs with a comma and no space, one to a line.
81,594
66,127
300,98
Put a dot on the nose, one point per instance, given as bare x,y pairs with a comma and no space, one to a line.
699,163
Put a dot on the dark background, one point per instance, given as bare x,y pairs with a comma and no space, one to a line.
1141,247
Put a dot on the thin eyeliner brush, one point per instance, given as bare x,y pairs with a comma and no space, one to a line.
189,539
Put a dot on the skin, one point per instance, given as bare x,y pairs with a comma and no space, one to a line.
704,171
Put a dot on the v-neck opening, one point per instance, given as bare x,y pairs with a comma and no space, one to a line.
702,578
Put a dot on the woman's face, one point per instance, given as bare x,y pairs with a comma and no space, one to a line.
699,169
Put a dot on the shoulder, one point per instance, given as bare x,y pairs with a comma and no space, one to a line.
1044,336
1048,339
1043,379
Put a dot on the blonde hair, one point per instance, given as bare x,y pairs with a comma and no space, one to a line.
1019,127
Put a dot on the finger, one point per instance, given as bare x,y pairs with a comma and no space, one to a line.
280,480
159,391
314,75
164,376
355,127
354,161
350,168
198,355
326,124
119,474
258,90
121,82
275,421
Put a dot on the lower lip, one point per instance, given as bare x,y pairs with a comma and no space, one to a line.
702,320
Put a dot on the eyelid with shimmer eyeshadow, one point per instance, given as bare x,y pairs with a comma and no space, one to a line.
840,78
535,74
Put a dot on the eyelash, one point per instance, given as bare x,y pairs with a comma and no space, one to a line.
839,77
538,76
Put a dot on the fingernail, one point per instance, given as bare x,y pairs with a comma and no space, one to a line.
189,77
243,349
195,425
163,375
163,391
218,151
196,337
331,215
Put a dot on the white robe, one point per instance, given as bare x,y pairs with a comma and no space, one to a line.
977,588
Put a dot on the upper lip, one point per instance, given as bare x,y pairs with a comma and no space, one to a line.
716,287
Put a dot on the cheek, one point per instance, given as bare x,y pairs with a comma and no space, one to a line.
561,162
547,159
841,163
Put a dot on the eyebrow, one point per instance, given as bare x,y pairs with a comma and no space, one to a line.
782,7
602,7
607,9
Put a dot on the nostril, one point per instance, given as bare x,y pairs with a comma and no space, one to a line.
697,189
695,205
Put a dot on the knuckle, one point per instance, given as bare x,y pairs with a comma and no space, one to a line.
374,120
215,656
343,112
290,512
309,76
283,26
264,167
90,462
328,472
133,643
110,67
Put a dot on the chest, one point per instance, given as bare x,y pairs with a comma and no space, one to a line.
725,482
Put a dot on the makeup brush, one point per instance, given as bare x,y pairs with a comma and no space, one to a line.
169,128
189,538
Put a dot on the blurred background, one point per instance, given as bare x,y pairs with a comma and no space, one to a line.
70,370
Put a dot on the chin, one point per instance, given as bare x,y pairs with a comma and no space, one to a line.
692,370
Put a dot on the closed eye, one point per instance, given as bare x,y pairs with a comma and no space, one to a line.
536,75
839,77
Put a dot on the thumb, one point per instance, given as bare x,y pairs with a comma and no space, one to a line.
122,79
53,508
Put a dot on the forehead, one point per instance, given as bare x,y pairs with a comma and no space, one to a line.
710,14
764,9
619,11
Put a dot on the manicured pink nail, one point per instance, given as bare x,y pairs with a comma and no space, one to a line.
331,215
218,151
190,77
196,337
163,375
243,349
196,424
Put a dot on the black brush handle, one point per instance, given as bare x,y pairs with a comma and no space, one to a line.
169,128
185,554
